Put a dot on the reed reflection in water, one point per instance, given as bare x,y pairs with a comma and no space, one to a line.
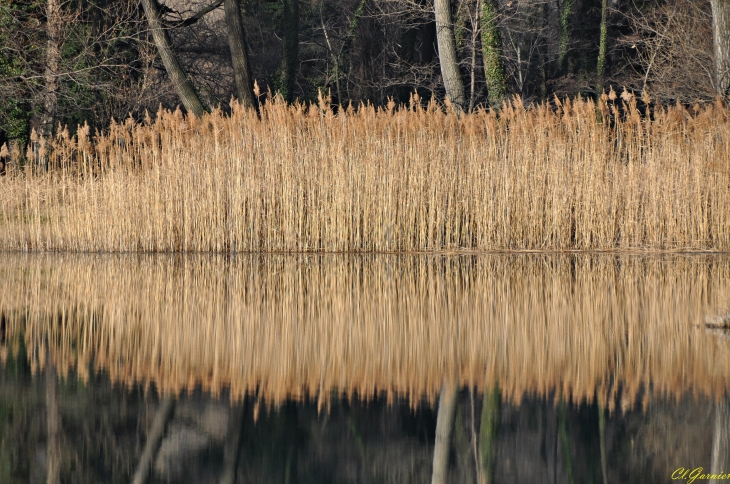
618,328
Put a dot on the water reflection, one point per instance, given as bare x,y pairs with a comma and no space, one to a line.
490,368
107,430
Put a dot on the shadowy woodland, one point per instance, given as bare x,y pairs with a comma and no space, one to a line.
75,62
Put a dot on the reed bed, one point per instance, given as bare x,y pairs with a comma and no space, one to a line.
623,329
571,175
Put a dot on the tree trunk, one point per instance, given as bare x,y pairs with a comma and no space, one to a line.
4,155
290,21
543,55
721,439
183,86
447,55
239,54
492,53
52,61
460,23
564,33
472,73
154,439
444,430
344,56
602,45
721,45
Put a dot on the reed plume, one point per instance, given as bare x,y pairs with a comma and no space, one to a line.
571,175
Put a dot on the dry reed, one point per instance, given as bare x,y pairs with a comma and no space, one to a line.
576,175
618,328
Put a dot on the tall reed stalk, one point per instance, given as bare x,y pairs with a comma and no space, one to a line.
572,176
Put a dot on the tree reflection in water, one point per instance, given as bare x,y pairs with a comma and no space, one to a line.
331,368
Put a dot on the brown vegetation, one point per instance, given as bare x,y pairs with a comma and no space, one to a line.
575,176
616,328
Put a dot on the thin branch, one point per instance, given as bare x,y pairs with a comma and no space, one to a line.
203,12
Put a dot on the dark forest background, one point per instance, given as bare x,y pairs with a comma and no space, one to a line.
71,62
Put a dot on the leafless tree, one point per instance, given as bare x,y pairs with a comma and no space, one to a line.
672,44
183,86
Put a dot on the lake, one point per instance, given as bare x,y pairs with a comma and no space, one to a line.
364,368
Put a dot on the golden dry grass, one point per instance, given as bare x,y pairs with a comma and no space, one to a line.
304,179
617,328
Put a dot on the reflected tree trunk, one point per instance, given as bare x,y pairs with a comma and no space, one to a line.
488,432
184,88
232,448
291,469
564,435
602,443
444,431
721,439
53,425
154,440
448,58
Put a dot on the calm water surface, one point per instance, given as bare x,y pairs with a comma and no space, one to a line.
359,369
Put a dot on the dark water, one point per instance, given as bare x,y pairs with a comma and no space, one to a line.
86,382
104,429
